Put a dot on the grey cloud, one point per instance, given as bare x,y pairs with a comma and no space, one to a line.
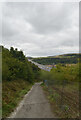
41,29
44,17
51,18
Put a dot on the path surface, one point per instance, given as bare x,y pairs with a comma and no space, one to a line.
34,105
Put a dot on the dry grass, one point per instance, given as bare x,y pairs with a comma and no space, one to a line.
65,103
12,93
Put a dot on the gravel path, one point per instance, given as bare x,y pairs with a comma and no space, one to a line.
34,105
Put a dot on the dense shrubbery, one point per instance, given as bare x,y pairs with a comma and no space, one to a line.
16,66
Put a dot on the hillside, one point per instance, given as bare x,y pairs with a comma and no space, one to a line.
16,66
63,59
18,76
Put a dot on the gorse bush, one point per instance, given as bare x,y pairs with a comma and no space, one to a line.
16,66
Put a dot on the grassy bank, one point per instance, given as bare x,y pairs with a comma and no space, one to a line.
13,93
62,90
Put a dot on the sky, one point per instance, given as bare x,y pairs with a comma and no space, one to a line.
41,29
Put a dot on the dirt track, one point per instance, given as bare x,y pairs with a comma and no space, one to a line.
34,105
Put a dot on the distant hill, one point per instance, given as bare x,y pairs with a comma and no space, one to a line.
63,59
29,58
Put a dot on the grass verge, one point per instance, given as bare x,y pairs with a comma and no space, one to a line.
12,93
64,104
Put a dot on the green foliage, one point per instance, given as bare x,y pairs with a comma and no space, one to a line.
15,65
17,54
36,70
62,75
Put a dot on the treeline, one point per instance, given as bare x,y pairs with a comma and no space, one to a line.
63,60
72,55
16,66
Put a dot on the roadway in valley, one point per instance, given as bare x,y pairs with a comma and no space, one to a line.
44,67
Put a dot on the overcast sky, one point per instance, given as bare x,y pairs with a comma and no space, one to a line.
41,29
